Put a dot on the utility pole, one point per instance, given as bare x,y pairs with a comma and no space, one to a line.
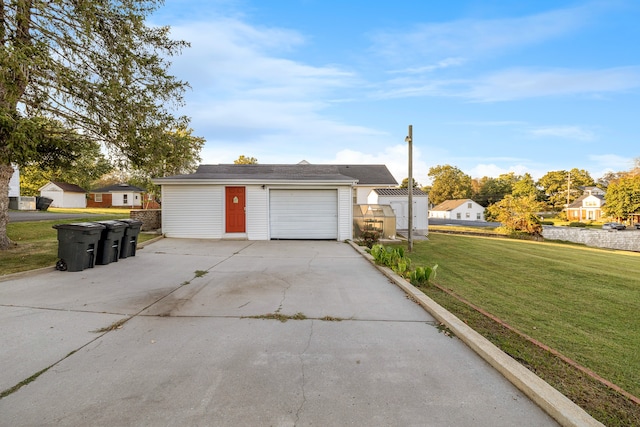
409,139
568,192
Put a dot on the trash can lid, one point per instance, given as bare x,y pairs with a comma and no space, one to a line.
110,224
79,226
130,221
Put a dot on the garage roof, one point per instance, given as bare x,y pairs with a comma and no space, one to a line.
363,174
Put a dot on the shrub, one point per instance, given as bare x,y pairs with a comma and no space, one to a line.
547,223
421,275
370,238
577,224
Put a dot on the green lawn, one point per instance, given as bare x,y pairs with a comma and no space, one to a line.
581,301
37,243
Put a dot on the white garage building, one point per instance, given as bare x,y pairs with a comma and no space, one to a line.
64,195
259,202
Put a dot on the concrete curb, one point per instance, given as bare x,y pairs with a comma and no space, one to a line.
28,273
557,405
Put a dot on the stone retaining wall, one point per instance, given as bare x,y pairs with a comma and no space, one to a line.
151,218
626,240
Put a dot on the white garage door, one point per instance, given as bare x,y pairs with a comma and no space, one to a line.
303,214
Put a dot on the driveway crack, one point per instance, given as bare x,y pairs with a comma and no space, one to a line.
301,357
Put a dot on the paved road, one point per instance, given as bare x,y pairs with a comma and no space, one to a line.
440,221
25,216
194,347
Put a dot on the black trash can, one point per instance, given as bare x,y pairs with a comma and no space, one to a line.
43,203
77,245
110,241
130,238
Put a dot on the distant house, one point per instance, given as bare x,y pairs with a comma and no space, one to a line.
398,199
588,206
462,209
64,195
116,196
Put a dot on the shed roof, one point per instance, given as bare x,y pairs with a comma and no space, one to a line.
449,205
65,186
119,188
399,192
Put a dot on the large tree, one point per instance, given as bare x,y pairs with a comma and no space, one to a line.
493,190
92,64
176,154
82,163
623,194
558,186
448,182
518,213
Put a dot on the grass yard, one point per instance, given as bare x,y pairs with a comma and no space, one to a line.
37,243
581,301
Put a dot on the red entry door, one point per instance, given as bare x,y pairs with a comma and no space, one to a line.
235,204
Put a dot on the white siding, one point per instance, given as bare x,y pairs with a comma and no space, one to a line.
345,214
257,213
14,182
303,214
193,211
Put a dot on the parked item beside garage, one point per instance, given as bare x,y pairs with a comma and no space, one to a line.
77,245
130,237
110,241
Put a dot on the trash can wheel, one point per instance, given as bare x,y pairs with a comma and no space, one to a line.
61,265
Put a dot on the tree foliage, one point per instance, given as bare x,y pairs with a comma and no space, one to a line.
518,214
76,160
623,195
449,182
242,160
558,185
405,183
492,190
95,66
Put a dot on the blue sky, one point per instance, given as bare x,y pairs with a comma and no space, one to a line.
489,86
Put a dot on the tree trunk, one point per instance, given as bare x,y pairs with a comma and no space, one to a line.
6,171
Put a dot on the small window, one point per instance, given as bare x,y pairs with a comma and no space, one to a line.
125,199
468,215
458,215
98,197
469,205
478,216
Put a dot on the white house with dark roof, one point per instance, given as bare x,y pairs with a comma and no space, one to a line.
116,196
460,209
64,195
588,206
398,199
263,202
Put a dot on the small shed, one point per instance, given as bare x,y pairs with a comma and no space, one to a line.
398,199
64,195
116,196
459,209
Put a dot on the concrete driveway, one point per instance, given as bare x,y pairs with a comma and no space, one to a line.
194,341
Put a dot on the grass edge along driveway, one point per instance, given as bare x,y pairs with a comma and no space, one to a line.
580,301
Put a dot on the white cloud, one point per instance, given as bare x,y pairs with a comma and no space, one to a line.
565,132
613,162
528,83
476,37
395,157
